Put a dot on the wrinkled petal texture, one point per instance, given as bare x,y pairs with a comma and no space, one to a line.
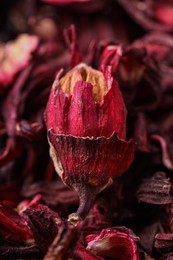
112,112
82,112
114,244
91,160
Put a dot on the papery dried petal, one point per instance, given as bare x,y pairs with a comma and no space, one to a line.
56,195
28,131
100,159
70,36
112,112
80,253
111,56
112,243
44,223
86,102
165,153
147,232
89,174
63,243
82,118
164,242
13,101
155,190
12,225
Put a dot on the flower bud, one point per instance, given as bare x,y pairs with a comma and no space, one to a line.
86,123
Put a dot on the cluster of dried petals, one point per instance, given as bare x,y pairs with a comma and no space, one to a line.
12,225
86,123
15,55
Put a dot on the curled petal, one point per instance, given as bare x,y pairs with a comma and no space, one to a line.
57,108
93,160
114,244
165,153
12,224
70,37
44,224
88,165
112,113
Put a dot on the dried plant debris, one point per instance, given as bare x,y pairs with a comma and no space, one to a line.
86,130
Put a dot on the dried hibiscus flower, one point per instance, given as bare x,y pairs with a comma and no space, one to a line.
86,123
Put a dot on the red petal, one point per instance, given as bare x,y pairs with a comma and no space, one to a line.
61,109
80,253
70,36
114,244
112,112
92,160
82,112
12,225
56,114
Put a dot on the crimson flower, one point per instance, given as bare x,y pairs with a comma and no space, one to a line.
86,123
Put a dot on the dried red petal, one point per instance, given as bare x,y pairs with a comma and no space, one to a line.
112,113
86,122
12,225
63,242
94,161
164,242
165,153
114,244
81,253
55,194
70,36
111,56
155,190
45,224
82,115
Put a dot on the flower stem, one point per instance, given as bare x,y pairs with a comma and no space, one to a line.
87,195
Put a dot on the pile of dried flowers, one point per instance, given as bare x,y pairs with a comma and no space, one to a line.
86,91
